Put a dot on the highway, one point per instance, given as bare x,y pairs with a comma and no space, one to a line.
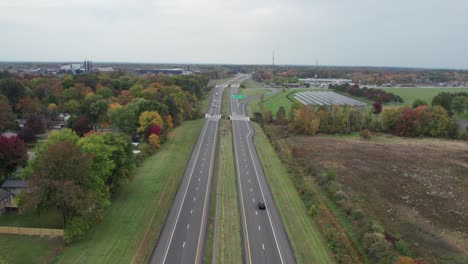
182,239
263,234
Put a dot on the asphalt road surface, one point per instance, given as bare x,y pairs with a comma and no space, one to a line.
182,239
263,234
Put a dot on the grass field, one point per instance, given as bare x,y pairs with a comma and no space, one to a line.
209,238
48,219
225,108
274,101
426,94
252,91
249,83
28,249
306,240
229,241
132,223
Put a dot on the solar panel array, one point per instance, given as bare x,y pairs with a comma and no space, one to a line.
326,98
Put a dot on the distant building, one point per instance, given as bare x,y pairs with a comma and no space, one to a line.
105,69
324,82
88,66
14,186
5,200
173,71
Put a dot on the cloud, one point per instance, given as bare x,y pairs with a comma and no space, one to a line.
420,33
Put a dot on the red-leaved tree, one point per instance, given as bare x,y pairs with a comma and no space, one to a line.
13,153
153,129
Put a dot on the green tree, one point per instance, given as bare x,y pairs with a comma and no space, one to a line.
460,104
105,92
64,180
7,117
122,156
103,165
440,122
419,102
443,99
13,90
125,119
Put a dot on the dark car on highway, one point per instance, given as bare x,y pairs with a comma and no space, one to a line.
261,205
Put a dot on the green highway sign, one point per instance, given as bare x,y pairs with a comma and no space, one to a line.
237,96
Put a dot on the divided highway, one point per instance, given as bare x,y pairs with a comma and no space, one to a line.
264,237
183,238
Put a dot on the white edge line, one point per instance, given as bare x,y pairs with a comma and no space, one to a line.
263,197
185,193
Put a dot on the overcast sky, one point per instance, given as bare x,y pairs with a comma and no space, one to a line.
407,33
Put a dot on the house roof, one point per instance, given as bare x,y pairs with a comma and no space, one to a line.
4,194
15,184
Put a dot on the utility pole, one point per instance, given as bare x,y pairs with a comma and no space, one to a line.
273,59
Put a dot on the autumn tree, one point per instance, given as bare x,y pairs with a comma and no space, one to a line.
27,134
149,118
390,116
169,123
13,153
36,123
13,90
81,125
154,141
281,116
305,121
377,108
28,106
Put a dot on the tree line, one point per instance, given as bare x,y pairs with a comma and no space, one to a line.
377,95
77,170
423,120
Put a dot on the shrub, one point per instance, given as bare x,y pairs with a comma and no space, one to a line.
365,134
402,248
419,102
76,228
377,108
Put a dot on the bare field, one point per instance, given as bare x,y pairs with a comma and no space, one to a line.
417,188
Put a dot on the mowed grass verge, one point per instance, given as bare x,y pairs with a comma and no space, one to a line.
249,83
229,241
306,241
133,222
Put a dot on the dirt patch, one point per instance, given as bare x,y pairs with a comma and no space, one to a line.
417,188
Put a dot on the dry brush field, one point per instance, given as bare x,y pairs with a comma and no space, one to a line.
417,188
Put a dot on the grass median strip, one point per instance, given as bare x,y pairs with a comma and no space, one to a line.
133,222
305,239
229,241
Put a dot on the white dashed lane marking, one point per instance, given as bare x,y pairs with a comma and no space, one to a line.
183,245
188,226
259,228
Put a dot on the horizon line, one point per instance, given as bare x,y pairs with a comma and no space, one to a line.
235,64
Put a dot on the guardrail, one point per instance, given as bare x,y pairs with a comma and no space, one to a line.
30,231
